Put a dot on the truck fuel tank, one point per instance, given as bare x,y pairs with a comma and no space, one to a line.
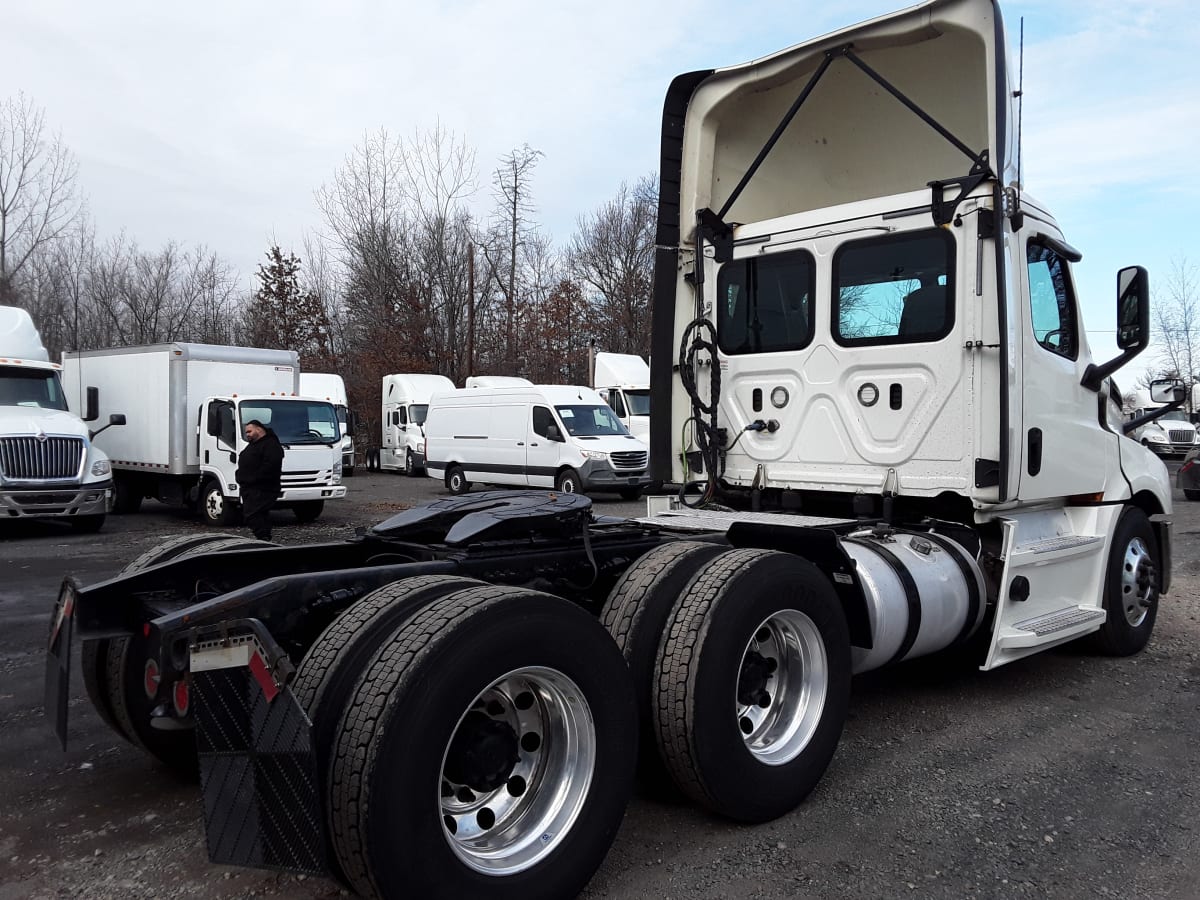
923,593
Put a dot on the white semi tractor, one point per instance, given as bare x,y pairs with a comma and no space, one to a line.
186,407
870,372
49,466
331,387
623,380
405,406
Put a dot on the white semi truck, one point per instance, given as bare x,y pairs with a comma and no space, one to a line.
866,345
186,407
49,466
623,380
405,404
331,387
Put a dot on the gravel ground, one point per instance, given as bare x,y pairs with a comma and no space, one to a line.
1063,775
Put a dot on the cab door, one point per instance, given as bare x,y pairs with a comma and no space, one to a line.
1064,450
543,456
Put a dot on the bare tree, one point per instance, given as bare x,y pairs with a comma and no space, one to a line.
512,228
38,199
1177,322
612,253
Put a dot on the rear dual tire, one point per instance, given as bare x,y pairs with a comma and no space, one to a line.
508,780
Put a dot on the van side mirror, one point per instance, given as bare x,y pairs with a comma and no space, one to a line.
553,434
116,419
1133,324
91,411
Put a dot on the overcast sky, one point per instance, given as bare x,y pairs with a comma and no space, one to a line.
214,123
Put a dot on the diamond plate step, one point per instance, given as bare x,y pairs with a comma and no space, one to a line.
1054,626
1058,548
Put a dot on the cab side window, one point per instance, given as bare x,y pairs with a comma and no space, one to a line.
542,420
1052,301
614,401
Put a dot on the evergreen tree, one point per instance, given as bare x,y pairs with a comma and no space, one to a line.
282,315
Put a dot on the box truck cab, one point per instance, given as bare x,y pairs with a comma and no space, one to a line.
49,466
623,380
327,386
550,436
405,405
187,406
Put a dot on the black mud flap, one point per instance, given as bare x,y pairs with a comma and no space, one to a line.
58,659
258,774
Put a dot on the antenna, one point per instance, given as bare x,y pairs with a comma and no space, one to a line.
1020,95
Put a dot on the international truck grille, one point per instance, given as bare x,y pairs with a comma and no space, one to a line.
50,459
629,459
1182,436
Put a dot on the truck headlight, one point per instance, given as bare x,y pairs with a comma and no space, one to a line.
337,471
420,446
594,454
101,467
1156,437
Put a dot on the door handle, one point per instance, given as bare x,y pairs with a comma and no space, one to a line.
534,444
520,443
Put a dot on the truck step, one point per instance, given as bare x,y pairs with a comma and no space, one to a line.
1051,626
1057,548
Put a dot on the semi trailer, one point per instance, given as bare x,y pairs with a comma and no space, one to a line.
882,434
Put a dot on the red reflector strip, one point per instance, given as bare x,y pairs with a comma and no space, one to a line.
258,668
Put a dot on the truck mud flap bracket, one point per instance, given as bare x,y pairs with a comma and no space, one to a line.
258,771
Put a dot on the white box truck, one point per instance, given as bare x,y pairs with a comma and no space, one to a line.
186,407
405,404
331,387
623,380
492,381
549,435
49,466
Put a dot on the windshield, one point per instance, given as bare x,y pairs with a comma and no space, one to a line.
1175,415
590,421
31,387
294,421
638,402
417,413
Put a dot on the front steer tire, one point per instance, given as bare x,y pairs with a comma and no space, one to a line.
430,741
1132,581
753,684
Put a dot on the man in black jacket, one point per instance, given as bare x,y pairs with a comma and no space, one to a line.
258,472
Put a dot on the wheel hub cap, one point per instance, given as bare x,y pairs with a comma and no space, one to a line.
483,752
1138,577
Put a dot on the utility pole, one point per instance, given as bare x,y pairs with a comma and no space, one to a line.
470,309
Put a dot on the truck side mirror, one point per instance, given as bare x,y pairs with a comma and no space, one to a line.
91,411
213,425
1133,324
351,422
1167,390
116,419
1133,308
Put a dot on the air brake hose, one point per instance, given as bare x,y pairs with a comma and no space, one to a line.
707,437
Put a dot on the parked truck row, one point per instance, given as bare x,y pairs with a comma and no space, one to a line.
883,435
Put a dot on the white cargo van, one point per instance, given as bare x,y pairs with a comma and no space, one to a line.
553,436
494,381
405,402
623,381
331,387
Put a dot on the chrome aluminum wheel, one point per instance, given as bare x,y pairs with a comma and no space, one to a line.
783,682
1137,582
214,504
517,771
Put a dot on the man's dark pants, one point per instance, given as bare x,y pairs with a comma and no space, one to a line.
256,513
